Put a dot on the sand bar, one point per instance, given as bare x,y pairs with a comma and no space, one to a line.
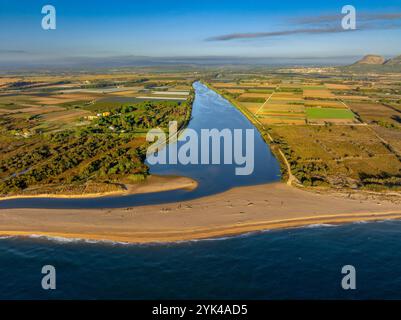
236,211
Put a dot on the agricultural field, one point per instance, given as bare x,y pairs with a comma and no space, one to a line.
336,131
284,103
329,113
324,156
83,133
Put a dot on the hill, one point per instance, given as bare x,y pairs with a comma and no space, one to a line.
371,59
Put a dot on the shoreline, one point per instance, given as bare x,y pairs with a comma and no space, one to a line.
234,212
153,184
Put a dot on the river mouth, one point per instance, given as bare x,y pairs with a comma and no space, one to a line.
210,111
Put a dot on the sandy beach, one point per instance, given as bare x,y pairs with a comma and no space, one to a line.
237,211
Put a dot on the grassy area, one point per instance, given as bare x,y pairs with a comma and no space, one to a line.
328,113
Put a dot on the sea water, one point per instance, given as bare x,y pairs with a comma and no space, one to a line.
300,263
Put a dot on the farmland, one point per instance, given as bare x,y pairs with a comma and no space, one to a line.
329,128
336,129
83,133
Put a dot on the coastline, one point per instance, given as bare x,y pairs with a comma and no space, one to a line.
209,234
153,183
234,212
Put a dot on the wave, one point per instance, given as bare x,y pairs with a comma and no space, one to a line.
222,238
6,237
318,225
63,239
362,222
66,240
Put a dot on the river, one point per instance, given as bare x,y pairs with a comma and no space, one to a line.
210,111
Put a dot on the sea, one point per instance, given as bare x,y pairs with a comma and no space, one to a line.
299,263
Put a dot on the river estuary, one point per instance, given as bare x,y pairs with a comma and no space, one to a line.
298,263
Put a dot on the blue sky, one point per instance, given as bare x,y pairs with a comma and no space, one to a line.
184,28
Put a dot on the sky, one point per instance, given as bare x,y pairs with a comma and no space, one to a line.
182,28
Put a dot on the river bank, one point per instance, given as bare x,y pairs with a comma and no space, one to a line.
237,211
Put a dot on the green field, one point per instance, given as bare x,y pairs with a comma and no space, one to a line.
328,113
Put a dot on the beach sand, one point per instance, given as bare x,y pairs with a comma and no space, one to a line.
237,211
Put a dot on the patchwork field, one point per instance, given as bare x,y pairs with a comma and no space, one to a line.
83,133
54,102
333,131
291,103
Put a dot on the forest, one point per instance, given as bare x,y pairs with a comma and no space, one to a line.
110,149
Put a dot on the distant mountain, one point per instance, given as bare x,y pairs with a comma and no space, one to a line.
393,62
374,63
371,59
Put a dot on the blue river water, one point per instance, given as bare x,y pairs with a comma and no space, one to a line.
302,263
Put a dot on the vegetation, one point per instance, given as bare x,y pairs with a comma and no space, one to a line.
70,149
336,128
328,113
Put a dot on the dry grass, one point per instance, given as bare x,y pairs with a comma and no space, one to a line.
255,95
252,106
65,115
392,136
346,151
323,103
277,120
373,112
337,86
350,97
322,94
282,108
235,90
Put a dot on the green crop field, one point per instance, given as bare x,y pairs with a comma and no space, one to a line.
328,113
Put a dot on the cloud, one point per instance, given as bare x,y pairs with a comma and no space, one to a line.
322,24
365,17
234,36
13,52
